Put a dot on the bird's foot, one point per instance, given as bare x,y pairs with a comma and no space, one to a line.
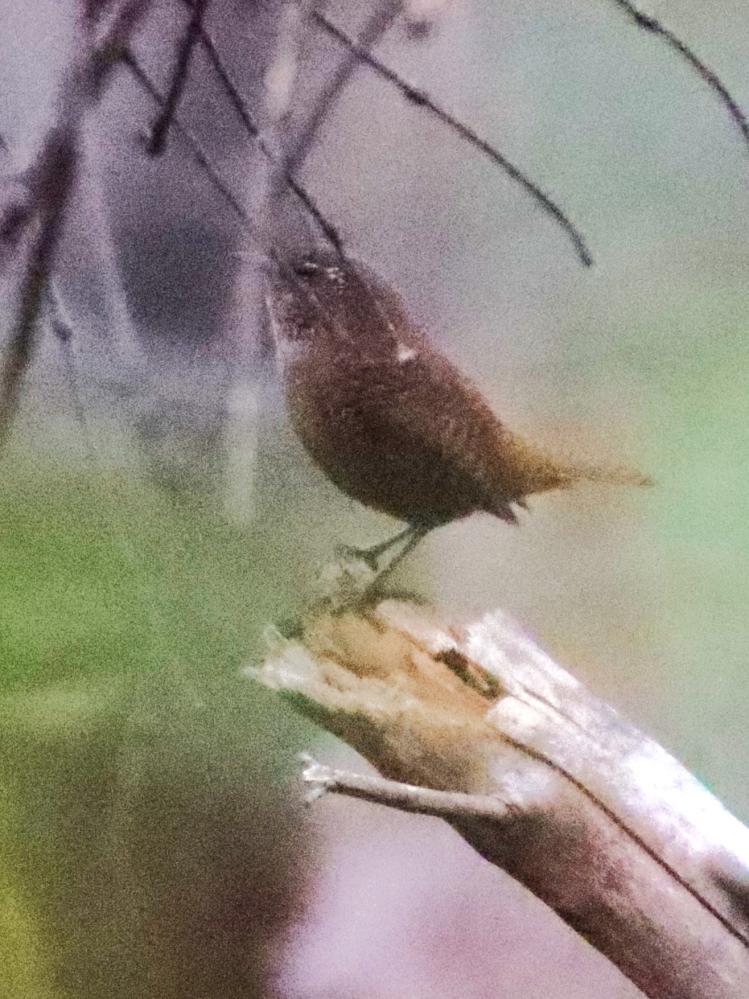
371,556
350,553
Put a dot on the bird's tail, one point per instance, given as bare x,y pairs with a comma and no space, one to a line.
532,470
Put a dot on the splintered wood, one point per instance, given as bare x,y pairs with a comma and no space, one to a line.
480,726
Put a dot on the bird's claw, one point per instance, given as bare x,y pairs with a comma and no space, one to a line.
350,553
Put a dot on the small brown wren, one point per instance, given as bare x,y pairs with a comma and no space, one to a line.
389,419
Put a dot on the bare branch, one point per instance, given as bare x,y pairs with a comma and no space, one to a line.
594,817
654,26
281,80
57,176
448,805
423,100
122,23
157,142
62,328
232,91
383,15
224,74
128,57
199,154
50,180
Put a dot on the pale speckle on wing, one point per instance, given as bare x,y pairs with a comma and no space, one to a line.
335,274
404,353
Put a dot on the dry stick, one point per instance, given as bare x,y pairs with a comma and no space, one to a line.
421,99
62,328
454,806
713,81
58,167
322,779
201,157
232,91
592,816
410,93
377,25
157,142
50,181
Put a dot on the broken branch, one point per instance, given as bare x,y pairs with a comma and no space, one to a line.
595,818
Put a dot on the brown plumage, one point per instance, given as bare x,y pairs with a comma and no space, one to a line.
389,418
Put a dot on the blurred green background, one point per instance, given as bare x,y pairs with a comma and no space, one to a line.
144,848
150,842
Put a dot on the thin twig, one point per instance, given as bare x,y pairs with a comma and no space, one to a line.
50,181
62,328
281,85
421,99
118,32
321,780
157,141
59,170
201,157
377,25
129,59
204,161
222,71
654,26
239,104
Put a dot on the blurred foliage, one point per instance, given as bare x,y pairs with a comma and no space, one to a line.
694,357
144,838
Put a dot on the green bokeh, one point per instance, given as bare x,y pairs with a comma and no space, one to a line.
140,772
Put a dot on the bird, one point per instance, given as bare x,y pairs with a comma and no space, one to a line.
388,417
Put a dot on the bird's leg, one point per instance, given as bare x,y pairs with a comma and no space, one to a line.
371,556
414,534
343,586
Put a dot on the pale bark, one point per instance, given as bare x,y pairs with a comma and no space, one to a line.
538,775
